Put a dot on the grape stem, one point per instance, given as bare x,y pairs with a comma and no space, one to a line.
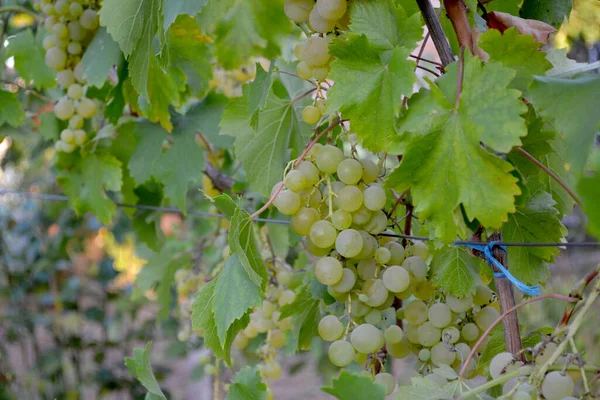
584,379
294,75
498,381
303,95
501,317
434,27
461,74
419,58
577,291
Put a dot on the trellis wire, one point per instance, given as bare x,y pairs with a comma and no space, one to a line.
56,197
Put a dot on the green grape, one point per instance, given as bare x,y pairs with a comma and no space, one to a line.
61,43
361,216
349,171
416,267
277,338
63,109
396,279
298,49
441,355
283,277
429,335
76,31
366,338
328,159
68,147
370,171
459,305
315,250
303,220
341,353
287,202
298,10
65,78
360,358
470,332
520,395
341,219
424,355
418,249
331,9
295,181
373,317
75,9
89,19
437,379
204,359
304,71
376,292
74,48
393,334
287,297
546,352
60,30
451,334
499,364
374,197
486,317
48,42
310,172
311,115
61,7
86,107
273,370
369,246
320,74
377,223
322,104
311,196
482,295
56,58
316,51
347,282
416,312
76,122
329,270
424,290
350,198
79,73
366,269
50,19
330,328
241,341
383,255
349,243
440,315
397,253
323,234
383,378
67,136
75,91
318,23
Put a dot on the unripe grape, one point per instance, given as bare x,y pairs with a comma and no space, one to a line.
424,355
56,58
311,196
369,246
287,297
68,147
67,136
350,198
298,10
459,305
272,370
416,312
64,109
393,334
75,9
370,171
303,220
482,295
450,334
486,317
61,43
331,9
418,249
79,73
65,78
287,202
330,328
61,7
310,172
361,216
298,48
60,30
349,171
396,251
520,395
320,74
499,364
75,91
376,292
429,335
240,342
441,355
440,315
315,250
74,48
383,378
424,290
374,197
470,332
86,107
89,19
366,269
341,353
318,23
347,282
311,115
316,51
377,223
329,270
373,317
416,267
76,31
349,243
284,277
544,355
323,234
76,122
295,181
328,158
366,338
80,137
50,20
304,70
360,358
396,279
48,42
383,255
341,219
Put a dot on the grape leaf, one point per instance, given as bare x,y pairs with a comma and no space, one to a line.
305,314
264,149
516,51
445,164
49,127
10,109
235,295
204,117
535,221
242,241
139,366
176,168
507,6
173,8
247,385
88,180
349,386
29,59
373,87
567,104
101,55
115,98
159,91
424,389
552,12
258,91
589,189
455,271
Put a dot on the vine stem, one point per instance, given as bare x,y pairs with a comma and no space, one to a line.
498,381
550,173
577,292
502,316
303,95
419,58
298,161
457,13
434,27
19,9
461,75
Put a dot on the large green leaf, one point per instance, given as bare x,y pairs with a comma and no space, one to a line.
349,386
247,385
305,317
455,271
552,12
101,55
445,163
567,104
10,109
173,8
139,367
29,59
589,189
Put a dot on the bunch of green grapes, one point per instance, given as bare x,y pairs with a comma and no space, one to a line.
230,82
72,25
322,16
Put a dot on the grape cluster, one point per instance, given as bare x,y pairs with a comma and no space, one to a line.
72,24
230,82
322,17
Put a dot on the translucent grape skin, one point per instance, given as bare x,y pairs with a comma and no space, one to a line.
323,234
557,386
316,51
349,243
383,378
295,181
310,172
459,305
341,353
329,270
331,9
416,312
304,219
347,282
287,202
485,317
311,115
393,334
318,23
350,171
298,10
350,198
374,198
330,328
499,363
429,335
396,279
328,158
470,332
366,338
440,315
86,107
304,71
441,355
341,219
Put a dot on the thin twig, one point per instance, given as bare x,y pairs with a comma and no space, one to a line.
294,75
501,317
315,140
419,58
303,95
550,173
428,70
28,91
461,73
398,201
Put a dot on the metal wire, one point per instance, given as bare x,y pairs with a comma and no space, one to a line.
56,197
